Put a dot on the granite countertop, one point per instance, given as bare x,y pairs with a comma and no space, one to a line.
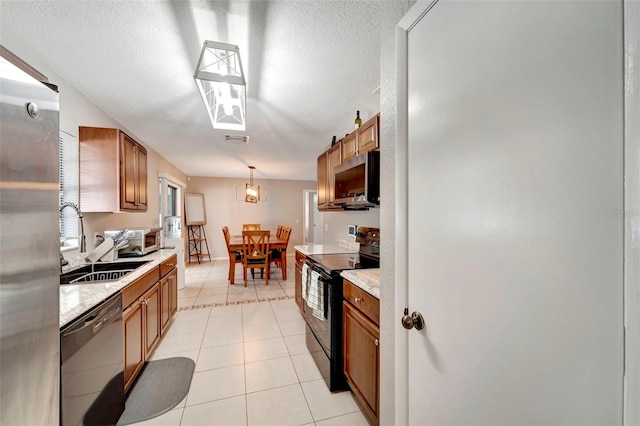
76,299
366,279
338,248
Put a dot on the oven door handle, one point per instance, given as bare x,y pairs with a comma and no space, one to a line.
325,297
324,280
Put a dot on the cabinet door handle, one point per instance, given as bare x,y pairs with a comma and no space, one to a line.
145,302
357,300
377,342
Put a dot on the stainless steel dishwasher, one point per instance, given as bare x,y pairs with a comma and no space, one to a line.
92,360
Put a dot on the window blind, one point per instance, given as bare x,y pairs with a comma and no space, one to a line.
69,172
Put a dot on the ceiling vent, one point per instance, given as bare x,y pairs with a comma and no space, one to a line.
236,138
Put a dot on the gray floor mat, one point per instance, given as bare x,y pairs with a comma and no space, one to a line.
160,387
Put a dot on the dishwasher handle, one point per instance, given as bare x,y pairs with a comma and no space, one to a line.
91,321
78,333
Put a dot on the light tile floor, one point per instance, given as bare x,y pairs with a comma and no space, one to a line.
252,364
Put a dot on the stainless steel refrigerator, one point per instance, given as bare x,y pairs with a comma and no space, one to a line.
29,249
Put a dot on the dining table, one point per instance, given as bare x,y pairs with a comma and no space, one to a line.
235,244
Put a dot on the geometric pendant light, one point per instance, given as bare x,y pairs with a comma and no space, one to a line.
222,85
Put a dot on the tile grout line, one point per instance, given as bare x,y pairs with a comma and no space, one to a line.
237,302
244,369
273,311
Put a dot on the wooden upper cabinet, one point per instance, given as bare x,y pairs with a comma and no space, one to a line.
142,178
364,139
133,174
113,171
128,175
368,135
334,157
349,146
327,161
323,196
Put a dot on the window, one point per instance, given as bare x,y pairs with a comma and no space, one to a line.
172,201
69,171
170,191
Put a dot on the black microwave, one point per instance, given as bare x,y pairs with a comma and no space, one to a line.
357,182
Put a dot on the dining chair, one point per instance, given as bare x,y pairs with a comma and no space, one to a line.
255,252
279,231
276,254
251,227
238,254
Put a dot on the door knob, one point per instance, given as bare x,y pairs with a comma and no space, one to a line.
415,320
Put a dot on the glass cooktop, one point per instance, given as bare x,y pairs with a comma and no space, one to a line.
336,262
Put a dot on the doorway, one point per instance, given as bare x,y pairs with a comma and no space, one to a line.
311,216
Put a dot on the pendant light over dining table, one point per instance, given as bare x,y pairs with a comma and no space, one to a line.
221,83
252,192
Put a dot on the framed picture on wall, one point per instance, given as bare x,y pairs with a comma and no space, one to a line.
194,210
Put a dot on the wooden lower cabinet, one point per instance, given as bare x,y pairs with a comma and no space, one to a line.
361,358
173,293
141,323
165,293
133,346
150,303
151,311
169,297
300,258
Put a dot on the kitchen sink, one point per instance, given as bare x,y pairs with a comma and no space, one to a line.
99,272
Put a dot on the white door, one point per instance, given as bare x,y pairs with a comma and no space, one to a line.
314,209
310,216
514,207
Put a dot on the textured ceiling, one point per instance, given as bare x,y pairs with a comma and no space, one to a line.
309,65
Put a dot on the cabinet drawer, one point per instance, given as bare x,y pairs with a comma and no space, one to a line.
168,265
133,291
300,258
363,301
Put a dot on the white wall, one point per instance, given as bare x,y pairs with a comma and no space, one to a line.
76,110
333,224
284,206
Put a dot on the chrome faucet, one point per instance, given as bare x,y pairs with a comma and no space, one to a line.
63,262
83,239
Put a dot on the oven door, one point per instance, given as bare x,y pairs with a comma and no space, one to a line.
318,309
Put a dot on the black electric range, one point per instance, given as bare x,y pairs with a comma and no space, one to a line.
323,305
